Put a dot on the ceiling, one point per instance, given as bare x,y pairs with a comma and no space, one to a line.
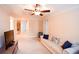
18,9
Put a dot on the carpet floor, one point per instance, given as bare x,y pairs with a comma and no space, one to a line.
30,45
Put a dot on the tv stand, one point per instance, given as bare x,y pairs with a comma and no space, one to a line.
12,49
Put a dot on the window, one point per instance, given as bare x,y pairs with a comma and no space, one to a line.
11,23
45,28
23,26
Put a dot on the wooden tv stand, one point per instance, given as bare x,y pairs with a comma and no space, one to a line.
13,49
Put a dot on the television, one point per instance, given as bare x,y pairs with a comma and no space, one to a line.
9,38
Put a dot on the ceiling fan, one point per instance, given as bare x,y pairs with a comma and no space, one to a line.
37,10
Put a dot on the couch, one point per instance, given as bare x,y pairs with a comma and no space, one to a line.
51,46
55,48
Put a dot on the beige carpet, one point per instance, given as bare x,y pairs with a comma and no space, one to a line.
30,45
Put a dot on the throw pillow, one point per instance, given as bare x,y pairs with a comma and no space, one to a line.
46,36
67,44
55,40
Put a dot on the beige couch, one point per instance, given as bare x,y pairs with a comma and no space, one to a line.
56,48
51,46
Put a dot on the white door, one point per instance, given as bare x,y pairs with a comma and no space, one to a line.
23,26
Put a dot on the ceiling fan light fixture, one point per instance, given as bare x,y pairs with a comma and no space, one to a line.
38,10
37,13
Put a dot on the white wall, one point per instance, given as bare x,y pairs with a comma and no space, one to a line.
4,26
65,25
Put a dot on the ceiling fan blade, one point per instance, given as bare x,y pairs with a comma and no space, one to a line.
28,9
41,14
45,11
32,14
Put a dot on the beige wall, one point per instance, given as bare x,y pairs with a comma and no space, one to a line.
33,26
65,25
4,25
41,20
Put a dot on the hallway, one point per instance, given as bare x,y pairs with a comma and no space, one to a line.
30,45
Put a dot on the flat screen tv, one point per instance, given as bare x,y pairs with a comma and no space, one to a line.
9,38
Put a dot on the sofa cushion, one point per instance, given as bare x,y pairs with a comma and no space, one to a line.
55,39
46,36
67,44
54,48
72,50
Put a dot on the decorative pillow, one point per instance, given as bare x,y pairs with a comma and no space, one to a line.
55,40
67,44
46,36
